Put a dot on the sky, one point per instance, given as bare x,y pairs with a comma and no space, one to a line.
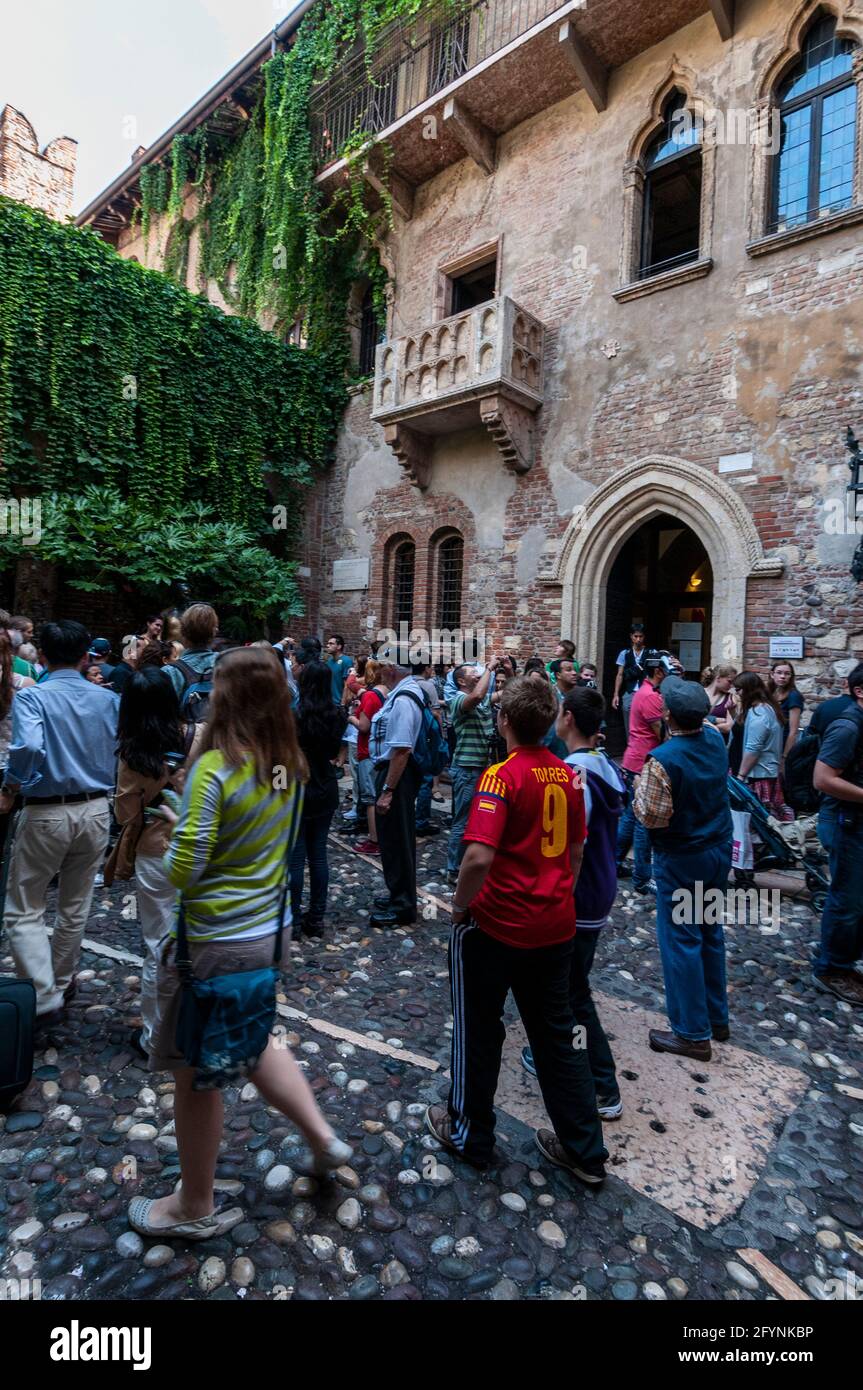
114,75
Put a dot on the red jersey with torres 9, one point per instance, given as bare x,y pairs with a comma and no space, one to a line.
531,809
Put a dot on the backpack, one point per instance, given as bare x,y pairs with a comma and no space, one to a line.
195,699
799,773
430,753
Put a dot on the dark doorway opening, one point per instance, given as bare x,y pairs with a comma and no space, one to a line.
661,578
474,286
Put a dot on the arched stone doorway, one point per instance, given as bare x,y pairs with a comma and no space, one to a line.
663,578
655,487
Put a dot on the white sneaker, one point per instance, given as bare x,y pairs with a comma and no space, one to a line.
609,1110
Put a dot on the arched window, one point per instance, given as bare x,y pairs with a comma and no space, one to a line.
402,569
817,102
671,220
371,333
450,570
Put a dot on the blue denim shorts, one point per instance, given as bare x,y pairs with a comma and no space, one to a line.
366,779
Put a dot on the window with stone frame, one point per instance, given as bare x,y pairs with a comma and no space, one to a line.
471,278
806,169
817,106
671,215
371,333
449,567
669,191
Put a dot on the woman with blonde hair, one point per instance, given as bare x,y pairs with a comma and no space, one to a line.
229,858
717,681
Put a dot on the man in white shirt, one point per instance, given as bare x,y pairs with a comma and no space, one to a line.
630,672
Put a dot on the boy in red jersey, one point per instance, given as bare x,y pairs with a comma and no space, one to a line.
513,927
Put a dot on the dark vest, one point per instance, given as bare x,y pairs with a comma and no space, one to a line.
633,674
697,767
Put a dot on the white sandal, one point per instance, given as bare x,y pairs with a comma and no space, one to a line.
203,1229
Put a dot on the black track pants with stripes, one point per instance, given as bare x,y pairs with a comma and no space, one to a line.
482,972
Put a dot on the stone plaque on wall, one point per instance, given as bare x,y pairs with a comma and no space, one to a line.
350,574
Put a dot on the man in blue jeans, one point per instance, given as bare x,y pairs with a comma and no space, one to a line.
839,776
819,724
682,799
471,716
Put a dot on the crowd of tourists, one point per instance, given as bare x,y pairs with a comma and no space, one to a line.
210,774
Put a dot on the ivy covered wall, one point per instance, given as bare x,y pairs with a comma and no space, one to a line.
126,400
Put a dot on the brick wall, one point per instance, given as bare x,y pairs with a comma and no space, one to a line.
43,179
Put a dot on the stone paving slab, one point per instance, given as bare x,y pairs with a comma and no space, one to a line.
693,1136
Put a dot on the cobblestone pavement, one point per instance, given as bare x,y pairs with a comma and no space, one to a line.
368,1014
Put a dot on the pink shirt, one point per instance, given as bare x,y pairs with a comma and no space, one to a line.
645,710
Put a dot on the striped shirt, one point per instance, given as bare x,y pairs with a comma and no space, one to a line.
473,729
229,852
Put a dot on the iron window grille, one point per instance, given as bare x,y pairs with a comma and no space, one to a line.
404,563
449,585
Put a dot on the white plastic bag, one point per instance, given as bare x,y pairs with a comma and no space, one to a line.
741,851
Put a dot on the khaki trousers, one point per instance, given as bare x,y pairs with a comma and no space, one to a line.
68,840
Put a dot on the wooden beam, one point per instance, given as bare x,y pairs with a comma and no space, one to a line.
723,13
476,139
399,190
589,70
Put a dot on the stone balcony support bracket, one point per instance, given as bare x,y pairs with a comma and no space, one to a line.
413,451
512,429
401,193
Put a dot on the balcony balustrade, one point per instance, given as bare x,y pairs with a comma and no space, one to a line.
481,367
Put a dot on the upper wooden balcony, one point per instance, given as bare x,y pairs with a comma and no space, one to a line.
447,84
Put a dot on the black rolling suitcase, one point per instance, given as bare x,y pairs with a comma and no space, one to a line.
17,1016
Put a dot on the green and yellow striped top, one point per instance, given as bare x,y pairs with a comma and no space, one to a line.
230,850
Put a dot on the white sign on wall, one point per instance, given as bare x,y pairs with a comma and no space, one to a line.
735,463
787,648
350,574
686,632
